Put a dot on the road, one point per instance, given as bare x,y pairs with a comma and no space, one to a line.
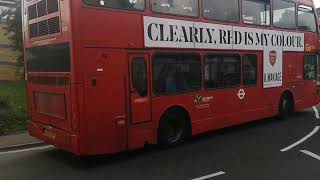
246,152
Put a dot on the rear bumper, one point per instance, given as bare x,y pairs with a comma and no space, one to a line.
62,140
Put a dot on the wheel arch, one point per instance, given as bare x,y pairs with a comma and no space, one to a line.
291,95
176,108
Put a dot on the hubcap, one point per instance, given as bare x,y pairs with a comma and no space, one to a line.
174,132
285,108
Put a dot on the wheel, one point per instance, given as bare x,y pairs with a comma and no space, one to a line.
172,129
286,107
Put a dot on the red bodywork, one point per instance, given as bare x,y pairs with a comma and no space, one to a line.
93,110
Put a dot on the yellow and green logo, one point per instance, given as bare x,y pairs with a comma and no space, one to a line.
198,99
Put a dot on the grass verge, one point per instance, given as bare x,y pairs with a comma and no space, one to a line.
13,105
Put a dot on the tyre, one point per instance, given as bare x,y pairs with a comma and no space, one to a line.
172,129
286,106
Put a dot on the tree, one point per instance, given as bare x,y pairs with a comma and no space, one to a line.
13,28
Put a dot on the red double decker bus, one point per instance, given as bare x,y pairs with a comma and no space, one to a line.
105,76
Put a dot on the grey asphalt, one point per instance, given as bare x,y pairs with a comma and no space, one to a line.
246,152
16,139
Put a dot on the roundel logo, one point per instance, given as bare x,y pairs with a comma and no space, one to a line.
273,57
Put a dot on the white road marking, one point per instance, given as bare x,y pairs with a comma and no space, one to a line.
210,176
26,150
316,129
316,112
311,154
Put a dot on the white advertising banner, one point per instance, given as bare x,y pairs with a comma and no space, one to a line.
160,32
272,67
169,33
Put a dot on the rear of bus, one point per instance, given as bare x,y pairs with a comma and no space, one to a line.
48,59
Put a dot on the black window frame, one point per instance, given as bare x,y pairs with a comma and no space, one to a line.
35,4
178,15
125,9
45,12
32,16
239,13
295,15
316,68
198,55
238,55
256,73
139,91
270,15
50,10
314,16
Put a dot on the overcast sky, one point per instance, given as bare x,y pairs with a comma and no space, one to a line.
316,3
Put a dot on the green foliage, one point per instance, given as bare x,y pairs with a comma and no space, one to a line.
13,106
5,115
3,39
4,102
13,29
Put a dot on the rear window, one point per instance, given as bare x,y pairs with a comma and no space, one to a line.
53,58
118,4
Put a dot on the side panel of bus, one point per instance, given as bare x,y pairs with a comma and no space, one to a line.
105,90
252,108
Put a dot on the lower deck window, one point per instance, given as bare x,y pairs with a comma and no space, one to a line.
310,67
222,71
139,76
249,70
176,73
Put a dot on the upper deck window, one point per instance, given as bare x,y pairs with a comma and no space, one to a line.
306,19
176,7
42,8
256,12
221,10
284,14
118,4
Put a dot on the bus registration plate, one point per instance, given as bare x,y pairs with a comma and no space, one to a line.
49,134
